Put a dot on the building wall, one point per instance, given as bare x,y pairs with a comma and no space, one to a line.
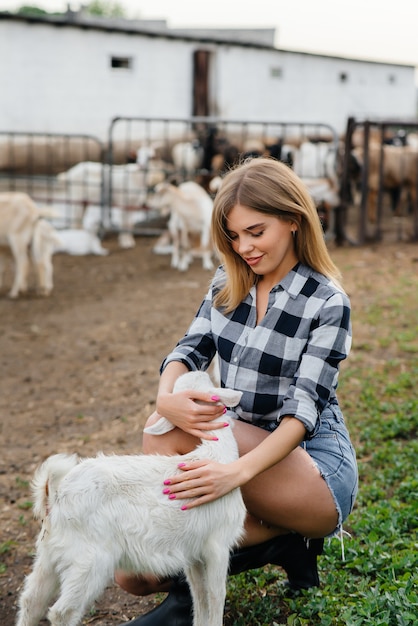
291,86
59,79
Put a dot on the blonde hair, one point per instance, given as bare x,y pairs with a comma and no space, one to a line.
272,188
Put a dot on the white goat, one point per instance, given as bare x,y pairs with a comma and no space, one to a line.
129,182
187,157
190,209
109,513
130,185
78,242
20,227
44,242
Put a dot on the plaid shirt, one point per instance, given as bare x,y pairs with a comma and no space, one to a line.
285,365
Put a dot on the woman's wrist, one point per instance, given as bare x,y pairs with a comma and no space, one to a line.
160,401
242,471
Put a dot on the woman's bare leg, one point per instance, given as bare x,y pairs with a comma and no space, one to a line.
290,496
141,585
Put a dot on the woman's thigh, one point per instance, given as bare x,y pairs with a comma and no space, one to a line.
292,494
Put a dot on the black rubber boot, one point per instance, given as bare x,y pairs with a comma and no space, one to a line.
291,552
175,610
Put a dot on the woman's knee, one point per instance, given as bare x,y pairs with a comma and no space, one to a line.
172,442
140,585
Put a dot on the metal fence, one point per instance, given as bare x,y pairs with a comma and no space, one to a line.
77,174
35,163
379,181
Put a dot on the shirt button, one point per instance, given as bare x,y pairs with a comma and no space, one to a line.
235,359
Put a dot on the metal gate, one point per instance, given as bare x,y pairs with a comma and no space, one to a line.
38,163
199,147
379,181
105,186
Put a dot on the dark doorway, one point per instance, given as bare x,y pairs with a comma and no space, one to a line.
201,66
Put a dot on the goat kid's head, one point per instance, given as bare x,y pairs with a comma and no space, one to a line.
199,381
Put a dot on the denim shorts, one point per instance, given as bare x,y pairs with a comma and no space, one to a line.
332,452
331,449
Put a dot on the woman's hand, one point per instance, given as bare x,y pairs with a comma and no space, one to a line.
192,411
203,480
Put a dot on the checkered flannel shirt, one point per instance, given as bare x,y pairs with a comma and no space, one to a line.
285,365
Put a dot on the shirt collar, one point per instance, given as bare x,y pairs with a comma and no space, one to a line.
295,280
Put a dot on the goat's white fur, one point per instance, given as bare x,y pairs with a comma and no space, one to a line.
78,242
190,209
109,512
21,227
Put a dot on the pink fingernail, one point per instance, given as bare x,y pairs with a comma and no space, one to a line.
181,465
172,496
167,482
226,424
215,439
215,398
225,409
184,507
166,490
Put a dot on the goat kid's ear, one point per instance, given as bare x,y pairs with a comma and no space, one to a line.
159,428
229,397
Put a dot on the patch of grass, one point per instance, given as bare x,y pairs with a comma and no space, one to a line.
23,484
377,584
5,548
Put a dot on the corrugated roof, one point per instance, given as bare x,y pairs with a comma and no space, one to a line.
156,29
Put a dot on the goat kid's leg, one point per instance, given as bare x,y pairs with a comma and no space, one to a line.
45,276
185,260
207,260
185,254
175,252
20,254
39,589
206,249
208,588
214,582
2,263
80,587
195,575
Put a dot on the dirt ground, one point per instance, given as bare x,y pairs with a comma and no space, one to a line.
79,373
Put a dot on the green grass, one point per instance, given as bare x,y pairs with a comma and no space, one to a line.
377,584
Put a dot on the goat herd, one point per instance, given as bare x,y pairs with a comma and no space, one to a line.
147,182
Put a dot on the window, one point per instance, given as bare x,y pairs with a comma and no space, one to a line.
121,63
276,72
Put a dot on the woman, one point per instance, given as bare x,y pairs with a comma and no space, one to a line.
279,321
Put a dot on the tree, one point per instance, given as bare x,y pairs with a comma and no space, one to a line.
28,9
99,8
105,8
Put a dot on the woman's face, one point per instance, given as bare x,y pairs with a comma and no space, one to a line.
264,242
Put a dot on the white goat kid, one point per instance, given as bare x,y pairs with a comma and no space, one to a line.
20,226
79,242
44,242
109,512
190,208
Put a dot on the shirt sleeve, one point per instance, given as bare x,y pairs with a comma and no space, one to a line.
196,349
317,375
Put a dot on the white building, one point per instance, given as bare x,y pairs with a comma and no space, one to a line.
68,75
